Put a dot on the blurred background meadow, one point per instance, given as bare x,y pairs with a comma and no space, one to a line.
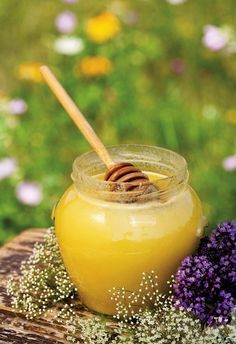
159,72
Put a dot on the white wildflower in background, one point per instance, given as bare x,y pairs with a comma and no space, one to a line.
66,22
176,2
229,163
68,45
8,167
17,106
215,38
219,39
29,193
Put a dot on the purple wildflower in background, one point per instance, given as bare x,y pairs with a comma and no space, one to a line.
66,22
205,282
229,164
17,106
70,1
7,167
131,18
214,38
29,193
177,66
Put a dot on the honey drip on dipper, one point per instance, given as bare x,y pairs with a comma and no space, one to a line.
123,176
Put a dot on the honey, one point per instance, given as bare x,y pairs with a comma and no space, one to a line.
107,243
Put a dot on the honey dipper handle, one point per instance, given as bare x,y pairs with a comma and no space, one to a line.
76,115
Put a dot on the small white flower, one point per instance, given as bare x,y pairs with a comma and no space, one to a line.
215,38
17,106
229,163
176,2
7,167
68,45
29,193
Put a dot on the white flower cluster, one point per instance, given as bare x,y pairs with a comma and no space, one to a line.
43,280
143,317
157,321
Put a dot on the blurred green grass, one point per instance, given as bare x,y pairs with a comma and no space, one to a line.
144,99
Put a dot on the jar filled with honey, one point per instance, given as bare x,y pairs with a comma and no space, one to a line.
109,238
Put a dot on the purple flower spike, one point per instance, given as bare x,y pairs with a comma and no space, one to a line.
29,193
66,22
206,283
229,163
17,106
7,167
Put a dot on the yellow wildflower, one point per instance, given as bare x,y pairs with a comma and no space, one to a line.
2,95
29,71
103,27
94,66
231,116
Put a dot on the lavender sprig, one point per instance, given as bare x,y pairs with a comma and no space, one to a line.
205,282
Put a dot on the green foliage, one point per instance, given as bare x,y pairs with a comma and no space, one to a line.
144,99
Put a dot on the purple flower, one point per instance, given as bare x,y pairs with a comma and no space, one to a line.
214,38
17,106
205,282
222,240
131,18
7,167
229,163
177,66
29,193
70,1
66,22
220,249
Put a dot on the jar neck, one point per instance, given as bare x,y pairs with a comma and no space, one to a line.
168,171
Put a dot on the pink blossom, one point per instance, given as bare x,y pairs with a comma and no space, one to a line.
214,38
66,22
229,163
177,66
17,106
70,1
29,193
7,167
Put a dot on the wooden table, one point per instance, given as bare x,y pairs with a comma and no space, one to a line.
14,328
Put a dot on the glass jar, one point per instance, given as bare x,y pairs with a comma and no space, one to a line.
107,239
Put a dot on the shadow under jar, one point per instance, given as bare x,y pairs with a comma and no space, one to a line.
108,239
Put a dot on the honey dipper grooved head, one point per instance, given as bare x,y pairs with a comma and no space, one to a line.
125,172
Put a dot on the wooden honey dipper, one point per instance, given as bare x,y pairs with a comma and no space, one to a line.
122,173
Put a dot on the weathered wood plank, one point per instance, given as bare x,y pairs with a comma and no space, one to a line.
15,328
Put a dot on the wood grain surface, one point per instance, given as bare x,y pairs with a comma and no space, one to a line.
14,327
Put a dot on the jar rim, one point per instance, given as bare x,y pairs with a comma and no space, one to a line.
146,157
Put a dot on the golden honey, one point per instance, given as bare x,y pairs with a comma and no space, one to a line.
107,241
